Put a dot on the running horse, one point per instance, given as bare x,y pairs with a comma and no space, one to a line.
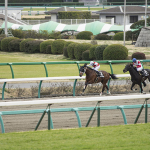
136,78
92,77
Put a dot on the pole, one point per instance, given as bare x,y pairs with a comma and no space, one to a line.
6,3
124,22
145,13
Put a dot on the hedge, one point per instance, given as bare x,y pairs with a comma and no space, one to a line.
5,42
43,46
79,49
57,47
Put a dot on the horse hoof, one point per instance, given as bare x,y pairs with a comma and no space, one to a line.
144,92
100,94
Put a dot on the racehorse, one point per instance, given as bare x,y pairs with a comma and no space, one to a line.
136,78
92,77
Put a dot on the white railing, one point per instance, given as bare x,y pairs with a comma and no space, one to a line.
71,21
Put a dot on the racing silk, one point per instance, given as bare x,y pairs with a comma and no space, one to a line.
95,64
137,64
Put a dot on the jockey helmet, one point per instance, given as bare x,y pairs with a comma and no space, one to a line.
134,60
91,63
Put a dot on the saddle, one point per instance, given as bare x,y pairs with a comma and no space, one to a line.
144,73
98,74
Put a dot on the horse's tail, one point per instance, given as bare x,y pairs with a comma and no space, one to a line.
113,76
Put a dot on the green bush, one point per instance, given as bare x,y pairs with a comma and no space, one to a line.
99,52
44,45
118,36
91,52
85,35
102,37
115,52
138,55
74,15
79,49
14,45
33,46
57,47
70,50
5,42
23,44
48,49
67,43
1,37
85,55
55,35
18,33
65,53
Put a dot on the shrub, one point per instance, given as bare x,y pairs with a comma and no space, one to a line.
70,50
33,46
65,53
85,35
138,55
14,45
85,55
48,49
102,37
5,42
1,37
54,35
67,43
44,44
118,36
57,47
99,52
79,49
30,34
91,51
115,52
23,44
18,33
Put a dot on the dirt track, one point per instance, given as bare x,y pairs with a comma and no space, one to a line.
28,122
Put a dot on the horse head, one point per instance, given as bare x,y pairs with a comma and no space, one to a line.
82,70
127,67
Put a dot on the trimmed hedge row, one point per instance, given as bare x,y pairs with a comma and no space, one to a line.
78,51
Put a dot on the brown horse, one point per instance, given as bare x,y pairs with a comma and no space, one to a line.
92,77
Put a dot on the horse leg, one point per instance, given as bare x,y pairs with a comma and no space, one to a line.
84,87
104,85
141,88
108,90
144,83
133,86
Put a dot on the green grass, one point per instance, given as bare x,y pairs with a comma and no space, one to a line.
121,137
29,71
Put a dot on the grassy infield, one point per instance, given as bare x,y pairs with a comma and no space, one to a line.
107,137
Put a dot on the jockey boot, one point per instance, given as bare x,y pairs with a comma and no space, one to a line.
142,73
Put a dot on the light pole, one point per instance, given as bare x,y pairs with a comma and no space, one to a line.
145,13
6,3
124,37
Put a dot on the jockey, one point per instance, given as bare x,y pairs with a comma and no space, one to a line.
139,68
96,66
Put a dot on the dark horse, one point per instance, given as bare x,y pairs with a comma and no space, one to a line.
136,78
92,77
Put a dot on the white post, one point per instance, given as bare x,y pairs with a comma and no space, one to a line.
124,21
112,21
6,2
145,13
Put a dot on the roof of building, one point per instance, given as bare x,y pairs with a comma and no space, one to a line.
65,8
129,10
